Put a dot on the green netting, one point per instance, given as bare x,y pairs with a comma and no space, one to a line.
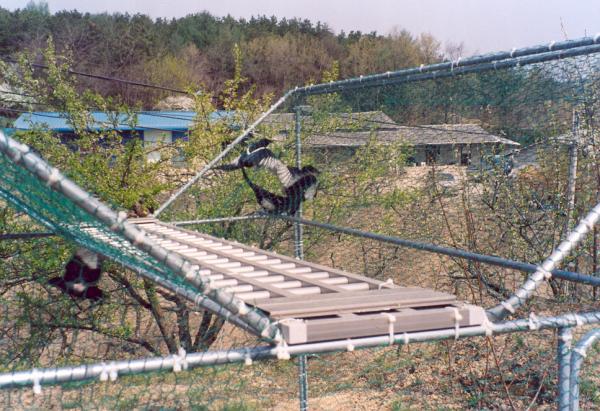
115,329
437,161
52,210
61,215
49,207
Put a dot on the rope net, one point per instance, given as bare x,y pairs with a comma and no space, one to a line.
475,157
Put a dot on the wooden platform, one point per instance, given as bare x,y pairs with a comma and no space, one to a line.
311,301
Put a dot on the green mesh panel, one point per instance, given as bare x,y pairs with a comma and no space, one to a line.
52,209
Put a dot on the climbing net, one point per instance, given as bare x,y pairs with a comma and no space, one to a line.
474,155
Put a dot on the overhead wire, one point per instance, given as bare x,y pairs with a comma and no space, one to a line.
192,120
107,78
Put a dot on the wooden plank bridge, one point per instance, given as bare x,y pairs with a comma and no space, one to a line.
312,302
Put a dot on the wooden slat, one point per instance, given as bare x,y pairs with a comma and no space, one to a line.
314,266
272,267
407,320
224,265
209,264
277,265
358,301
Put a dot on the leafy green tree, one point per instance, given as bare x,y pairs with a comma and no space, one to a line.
280,53
135,315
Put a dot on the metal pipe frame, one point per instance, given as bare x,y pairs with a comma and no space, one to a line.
452,66
22,155
487,62
538,55
222,154
197,299
299,254
496,65
544,270
303,382
119,368
478,64
578,355
298,241
563,357
539,272
218,220
449,251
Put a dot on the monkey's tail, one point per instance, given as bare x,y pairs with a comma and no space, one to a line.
248,181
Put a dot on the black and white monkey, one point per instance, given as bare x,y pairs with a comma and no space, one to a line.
251,157
303,189
258,155
81,276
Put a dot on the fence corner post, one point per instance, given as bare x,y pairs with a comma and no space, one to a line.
563,357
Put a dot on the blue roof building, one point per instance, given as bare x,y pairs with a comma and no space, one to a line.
154,127
146,120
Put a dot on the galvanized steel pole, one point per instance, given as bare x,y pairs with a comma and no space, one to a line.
222,154
453,252
298,241
563,357
544,270
213,299
218,220
577,356
520,57
473,65
299,254
92,371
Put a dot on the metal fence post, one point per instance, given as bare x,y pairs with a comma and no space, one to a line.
298,241
303,382
577,356
299,254
563,357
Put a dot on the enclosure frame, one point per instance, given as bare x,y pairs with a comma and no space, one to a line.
568,359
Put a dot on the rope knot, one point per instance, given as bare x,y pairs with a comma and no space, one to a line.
282,351
487,327
36,377
389,283
457,318
109,372
391,320
53,177
180,360
508,307
534,322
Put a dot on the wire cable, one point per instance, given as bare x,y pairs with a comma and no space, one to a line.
107,78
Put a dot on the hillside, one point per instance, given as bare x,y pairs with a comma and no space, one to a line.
278,53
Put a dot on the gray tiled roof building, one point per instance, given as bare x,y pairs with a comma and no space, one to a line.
439,143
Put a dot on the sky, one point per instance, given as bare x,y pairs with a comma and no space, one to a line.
482,25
